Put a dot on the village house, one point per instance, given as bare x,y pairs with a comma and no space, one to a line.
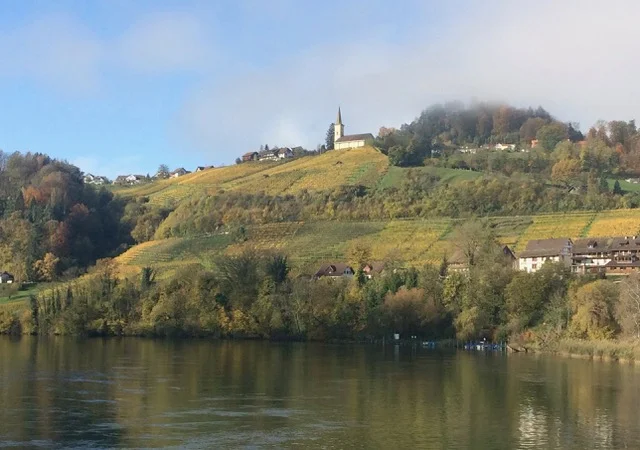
129,179
459,261
504,147
250,156
284,153
95,179
179,172
6,278
342,141
202,168
373,269
334,270
268,155
539,251
590,255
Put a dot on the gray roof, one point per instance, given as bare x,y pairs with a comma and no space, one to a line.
606,244
355,137
333,270
544,247
591,245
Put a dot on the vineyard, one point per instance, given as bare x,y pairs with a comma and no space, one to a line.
621,222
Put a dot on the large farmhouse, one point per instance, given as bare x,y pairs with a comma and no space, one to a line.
539,251
342,141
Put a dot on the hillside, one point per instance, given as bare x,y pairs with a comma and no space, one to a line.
365,167
415,242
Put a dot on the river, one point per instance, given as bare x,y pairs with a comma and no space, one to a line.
142,393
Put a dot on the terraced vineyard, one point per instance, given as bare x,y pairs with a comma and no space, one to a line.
623,222
365,166
552,226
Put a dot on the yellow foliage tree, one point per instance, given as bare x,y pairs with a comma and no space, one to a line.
46,269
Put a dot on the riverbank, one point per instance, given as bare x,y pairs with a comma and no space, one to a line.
624,351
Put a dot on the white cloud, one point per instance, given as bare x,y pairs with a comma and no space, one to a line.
577,59
55,50
165,42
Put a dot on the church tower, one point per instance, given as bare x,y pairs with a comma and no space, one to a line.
338,127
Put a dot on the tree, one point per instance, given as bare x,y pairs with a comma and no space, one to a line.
524,297
566,171
472,239
329,139
593,310
550,135
617,190
238,161
628,308
163,171
147,278
359,255
277,268
530,128
46,269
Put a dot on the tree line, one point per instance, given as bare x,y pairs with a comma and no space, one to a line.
252,295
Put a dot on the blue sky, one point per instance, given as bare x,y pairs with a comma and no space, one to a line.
122,86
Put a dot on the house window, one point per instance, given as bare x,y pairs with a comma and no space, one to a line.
534,259
534,266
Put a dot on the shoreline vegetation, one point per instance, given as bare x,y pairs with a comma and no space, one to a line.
253,295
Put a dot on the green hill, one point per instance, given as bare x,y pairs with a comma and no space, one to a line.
308,243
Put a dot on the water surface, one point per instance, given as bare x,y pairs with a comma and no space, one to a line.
138,393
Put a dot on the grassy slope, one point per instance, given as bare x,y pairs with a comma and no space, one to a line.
415,241
307,244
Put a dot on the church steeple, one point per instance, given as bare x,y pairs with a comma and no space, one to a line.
338,127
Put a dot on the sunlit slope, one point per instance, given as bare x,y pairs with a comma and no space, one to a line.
414,241
364,166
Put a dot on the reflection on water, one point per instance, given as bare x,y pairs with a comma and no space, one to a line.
201,394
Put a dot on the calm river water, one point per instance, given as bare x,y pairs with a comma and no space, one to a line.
62,392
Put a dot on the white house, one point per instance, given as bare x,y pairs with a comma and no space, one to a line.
505,147
179,172
539,251
95,179
342,142
284,153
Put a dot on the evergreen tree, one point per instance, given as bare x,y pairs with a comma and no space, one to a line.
617,190
329,140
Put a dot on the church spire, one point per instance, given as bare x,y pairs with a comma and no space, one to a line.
338,127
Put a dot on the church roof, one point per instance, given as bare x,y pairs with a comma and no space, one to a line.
339,119
355,137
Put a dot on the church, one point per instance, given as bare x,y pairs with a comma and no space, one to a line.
342,142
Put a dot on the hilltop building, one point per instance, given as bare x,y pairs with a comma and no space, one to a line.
342,142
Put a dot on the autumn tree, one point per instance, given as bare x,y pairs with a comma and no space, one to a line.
566,171
46,269
358,255
593,308
628,308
